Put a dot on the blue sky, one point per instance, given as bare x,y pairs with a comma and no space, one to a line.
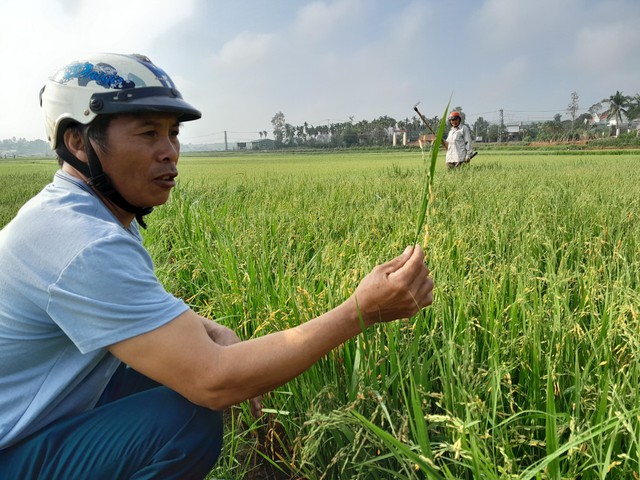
242,61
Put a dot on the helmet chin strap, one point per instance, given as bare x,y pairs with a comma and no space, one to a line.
101,182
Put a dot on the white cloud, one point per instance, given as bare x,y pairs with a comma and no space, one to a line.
245,50
411,24
318,20
607,47
505,25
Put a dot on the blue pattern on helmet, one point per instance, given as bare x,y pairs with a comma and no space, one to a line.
157,71
103,74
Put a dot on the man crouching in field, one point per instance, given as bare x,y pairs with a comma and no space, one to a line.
104,374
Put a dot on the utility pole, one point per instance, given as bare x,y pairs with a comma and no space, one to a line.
501,126
226,146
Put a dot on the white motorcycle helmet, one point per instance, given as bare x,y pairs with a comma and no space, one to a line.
108,83
105,84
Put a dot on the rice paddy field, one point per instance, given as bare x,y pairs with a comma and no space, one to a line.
527,364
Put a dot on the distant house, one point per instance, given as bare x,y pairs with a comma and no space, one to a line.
605,120
263,144
598,119
616,128
514,132
426,139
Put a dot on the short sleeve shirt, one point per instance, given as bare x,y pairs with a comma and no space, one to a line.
73,280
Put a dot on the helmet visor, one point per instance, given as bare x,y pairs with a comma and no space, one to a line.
144,100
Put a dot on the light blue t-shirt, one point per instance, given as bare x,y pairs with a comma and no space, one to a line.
73,281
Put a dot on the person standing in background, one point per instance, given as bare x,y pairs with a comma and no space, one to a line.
458,142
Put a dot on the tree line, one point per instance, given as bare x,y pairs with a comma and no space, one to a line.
609,117
19,147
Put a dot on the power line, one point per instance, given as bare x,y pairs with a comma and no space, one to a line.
219,136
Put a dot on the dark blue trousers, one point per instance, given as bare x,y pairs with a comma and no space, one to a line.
139,430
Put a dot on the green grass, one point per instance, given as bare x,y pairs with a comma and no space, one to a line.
20,181
527,364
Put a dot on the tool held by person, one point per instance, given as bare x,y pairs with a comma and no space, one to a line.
424,120
470,157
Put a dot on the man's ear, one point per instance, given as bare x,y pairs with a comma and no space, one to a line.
74,141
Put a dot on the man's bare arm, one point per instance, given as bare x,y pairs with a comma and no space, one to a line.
182,356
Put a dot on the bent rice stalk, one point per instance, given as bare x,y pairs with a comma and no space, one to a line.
427,193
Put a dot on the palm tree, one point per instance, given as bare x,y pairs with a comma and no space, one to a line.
633,112
618,106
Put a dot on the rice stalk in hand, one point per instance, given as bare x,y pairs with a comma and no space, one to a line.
427,193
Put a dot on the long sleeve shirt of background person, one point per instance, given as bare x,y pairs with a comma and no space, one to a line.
459,144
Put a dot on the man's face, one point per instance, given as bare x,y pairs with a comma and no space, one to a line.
141,157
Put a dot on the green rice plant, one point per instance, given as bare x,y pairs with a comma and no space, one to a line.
551,438
19,183
526,365
427,193
401,450
536,287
